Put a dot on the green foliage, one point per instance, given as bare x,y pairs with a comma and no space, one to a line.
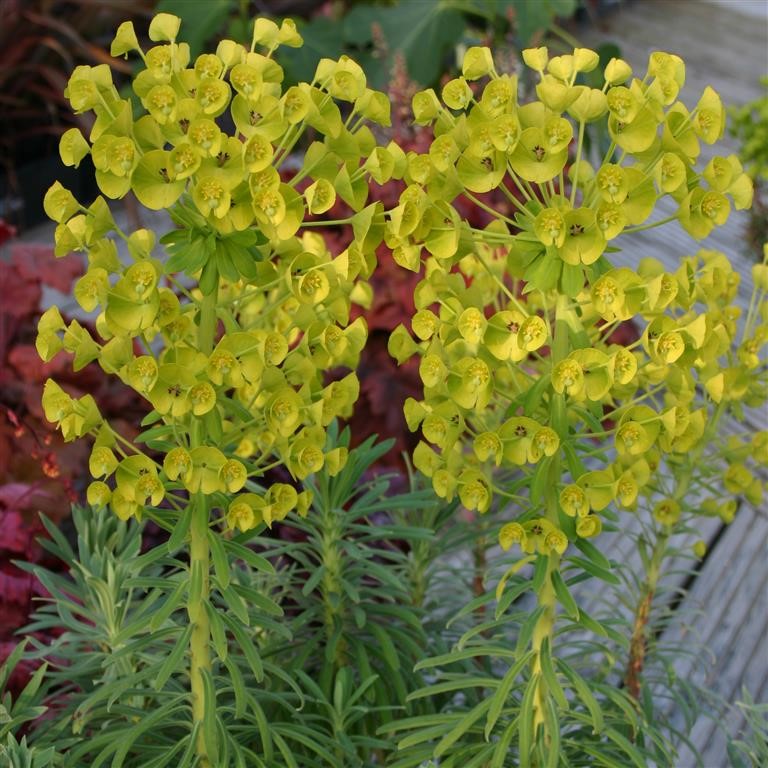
312,654
17,754
425,33
26,707
751,750
749,125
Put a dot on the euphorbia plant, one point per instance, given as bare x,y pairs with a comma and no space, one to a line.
228,337
528,406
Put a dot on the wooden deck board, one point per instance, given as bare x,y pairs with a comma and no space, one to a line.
726,612
721,47
745,654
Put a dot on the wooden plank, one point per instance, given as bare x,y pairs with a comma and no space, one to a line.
719,582
720,46
711,734
731,596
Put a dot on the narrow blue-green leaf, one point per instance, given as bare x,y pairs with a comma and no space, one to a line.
627,747
464,724
122,745
510,595
552,748
26,697
171,603
564,596
526,631
499,698
594,554
220,559
311,583
539,480
502,746
249,556
189,752
253,596
468,653
235,603
285,751
238,686
525,726
590,567
173,659
386,646
586,621
218,633
180,531
461,683
581,689
550,677
247,646
210,731
539,572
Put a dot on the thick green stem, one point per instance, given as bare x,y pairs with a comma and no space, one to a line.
199,644
206,330
544,630
199,560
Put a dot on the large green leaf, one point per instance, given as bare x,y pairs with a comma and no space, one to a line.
423,32
321,40
535,16
201,21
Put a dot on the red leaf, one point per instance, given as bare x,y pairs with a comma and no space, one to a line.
19,524
16,587
37,263
27,363
6,231
21,297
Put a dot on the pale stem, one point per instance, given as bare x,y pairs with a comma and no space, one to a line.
547,600
199,558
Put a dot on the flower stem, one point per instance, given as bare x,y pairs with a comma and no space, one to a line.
543,632
639,640
199,644
651,225
199,561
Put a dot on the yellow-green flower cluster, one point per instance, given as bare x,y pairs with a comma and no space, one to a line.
514,322
227,332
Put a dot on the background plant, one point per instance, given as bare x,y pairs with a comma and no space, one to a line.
425,34
749,125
